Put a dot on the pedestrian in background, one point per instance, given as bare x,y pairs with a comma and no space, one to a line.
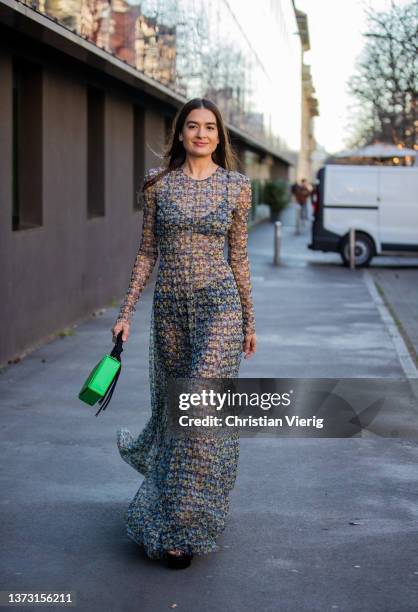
302,192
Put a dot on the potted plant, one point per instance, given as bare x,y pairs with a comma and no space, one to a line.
276,195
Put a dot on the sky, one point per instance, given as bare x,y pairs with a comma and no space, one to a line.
335,29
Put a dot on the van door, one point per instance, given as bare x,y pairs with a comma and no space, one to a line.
351,199
398,210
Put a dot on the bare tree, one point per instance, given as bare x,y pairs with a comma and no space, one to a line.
385,84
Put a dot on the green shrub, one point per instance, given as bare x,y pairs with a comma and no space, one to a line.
276,194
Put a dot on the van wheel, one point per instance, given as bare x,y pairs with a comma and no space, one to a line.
363,250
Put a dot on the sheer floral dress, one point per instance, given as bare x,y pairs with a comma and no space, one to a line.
202,308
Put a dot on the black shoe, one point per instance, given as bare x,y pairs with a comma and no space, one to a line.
177,561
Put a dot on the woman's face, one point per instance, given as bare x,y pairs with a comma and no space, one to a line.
200,133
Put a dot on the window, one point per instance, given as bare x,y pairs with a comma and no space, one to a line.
95,153
168,121
26,145
138,154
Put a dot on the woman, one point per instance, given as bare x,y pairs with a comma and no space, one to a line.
202,320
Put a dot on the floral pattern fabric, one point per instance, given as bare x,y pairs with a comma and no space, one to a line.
202,310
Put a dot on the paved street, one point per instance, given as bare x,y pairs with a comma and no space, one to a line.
289,545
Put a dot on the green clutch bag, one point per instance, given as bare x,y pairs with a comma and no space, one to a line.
101,381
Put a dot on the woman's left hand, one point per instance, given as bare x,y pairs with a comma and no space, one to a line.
249,346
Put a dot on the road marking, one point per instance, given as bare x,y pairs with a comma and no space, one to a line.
404,356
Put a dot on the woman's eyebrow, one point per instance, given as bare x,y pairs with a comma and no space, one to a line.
207,122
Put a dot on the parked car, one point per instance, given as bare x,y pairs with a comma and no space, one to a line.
379,202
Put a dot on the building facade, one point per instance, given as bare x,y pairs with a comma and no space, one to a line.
309,107
88,92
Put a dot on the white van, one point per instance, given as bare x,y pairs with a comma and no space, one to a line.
379,202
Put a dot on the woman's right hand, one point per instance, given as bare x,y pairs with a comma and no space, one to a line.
121,326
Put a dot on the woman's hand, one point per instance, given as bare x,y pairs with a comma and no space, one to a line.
249,346
121,326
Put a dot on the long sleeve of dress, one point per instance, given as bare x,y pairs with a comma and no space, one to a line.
146,257
238,255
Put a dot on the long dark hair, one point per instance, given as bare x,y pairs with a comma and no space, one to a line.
174,152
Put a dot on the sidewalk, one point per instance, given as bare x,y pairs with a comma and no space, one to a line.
396,278
290,544
398,284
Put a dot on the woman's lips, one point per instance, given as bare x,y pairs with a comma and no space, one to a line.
201,144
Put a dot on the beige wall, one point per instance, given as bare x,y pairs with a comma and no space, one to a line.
307,144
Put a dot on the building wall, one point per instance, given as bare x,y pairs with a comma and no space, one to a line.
305,163
55,274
